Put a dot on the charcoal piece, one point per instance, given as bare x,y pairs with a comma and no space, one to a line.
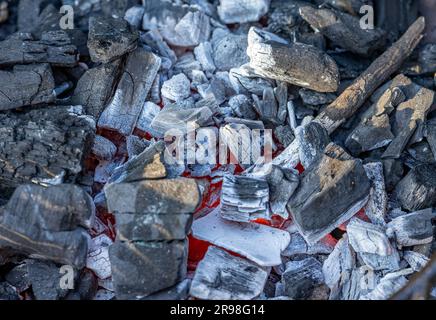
175,293
242,11
18,277
315,207
419,153
282,185
312,139
242,107
180,26
244,199
153,196
430,134
393,171
98,256
94,89
155,41
368,238
417,190
54,47
417,261
374,130
86,287
350,66
103,148
409,115
284,135
298,246
123,111
214,91
344,30
142,268
134,16
55,232
8,292
281,92
221,276
413,228
314,69
314,98
258,243
149,112
136,146
177,88
378,199
45,145
229,50
204,54
377,262
110,38
35,84
361,282
244,81
426,62
4,12
45,279
187,64
302,277
388,286
37,17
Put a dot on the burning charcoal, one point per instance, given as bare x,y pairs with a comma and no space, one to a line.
178,292
134,16
242,107
378,199
282,184
204,55
177,119
413,228
388,286
244,199
284,135
94,88
242,11
417,190
98,256
54,47
258,243
35,83
45,278
154,40
44,145
312,140
142,268
230,50
180,26
4,12
136,146
177,88
368,238
314,69
344,30
110,38
374,130
244,80
335,173
302,277
299,246
221,276
57,231
409,115
103,148
123,111
8,292
314,98
417,261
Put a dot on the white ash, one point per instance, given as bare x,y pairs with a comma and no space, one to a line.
98,257
242,11
416,260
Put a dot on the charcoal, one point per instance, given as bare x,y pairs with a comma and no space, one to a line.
417,154
103,148
374,130
37,17
244,81
125,107
86,288
134,16
314,98
282,185
244,199
368,238
8,292
344,30
335,173
430,134
242,107
43,145
36,85
221,276
229,50
98,256
204,55
149,112
136,146
260,244
281,93
58,232
298,246
426,62
409,115
54,47
314,69
45,279
154,40
417,261
377,262
177,292
417,190
413,228
284,135
187,64
110,38
350,66
179,25
242,12
4,12
377,204
302,277
388,285
94,89
142,268
177,88
18,277
215,91
312,140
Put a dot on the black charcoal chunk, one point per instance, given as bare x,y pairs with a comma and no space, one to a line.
314,98
45,145
8,292
282,185
229,50
134,16
48,223
45,278
312,140
417,190
296,63
242,11
344,30
19,277
221,276
26,85
110,38
430,134
316,207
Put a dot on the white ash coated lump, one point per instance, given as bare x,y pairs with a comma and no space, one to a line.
204,54
416,260
98,256
134,16
221,276
299,246
388,285
229,49
282,185
378,200
103,148
242,107
368,238
242,11
177,88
